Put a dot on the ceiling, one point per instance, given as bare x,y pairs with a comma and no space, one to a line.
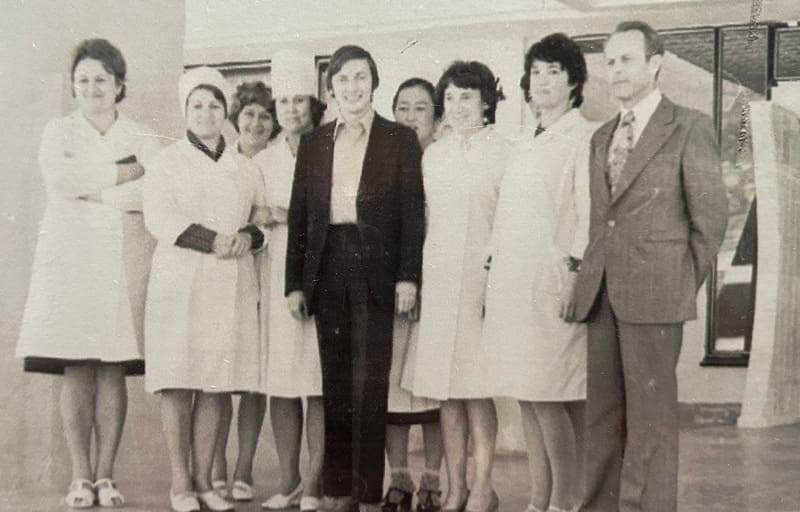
213,23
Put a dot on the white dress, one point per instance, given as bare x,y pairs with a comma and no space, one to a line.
87,291
293,368
462,180
542,217
201,321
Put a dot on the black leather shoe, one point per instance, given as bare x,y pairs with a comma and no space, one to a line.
397,500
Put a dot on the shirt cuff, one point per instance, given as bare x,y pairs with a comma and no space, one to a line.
198,238
256,235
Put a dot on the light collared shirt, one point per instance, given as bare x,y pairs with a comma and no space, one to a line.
349,147
642,112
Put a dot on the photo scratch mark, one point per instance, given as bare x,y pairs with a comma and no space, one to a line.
409,43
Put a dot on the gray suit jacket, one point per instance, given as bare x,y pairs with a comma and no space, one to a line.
655,239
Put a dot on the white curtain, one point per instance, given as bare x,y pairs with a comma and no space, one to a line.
772,392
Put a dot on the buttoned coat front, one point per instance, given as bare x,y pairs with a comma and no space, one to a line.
654,238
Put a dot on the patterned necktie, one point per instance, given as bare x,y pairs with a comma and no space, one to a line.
621,146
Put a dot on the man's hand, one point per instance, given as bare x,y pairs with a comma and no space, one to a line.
296,301
405,296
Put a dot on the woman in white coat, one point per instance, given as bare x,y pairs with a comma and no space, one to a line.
84,312
462,174
253,117
203,205
541,227
293,368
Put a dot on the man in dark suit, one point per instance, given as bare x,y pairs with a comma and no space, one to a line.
658,217
356,229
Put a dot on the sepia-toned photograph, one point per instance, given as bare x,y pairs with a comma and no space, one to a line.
395,256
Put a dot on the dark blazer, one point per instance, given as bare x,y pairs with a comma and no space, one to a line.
655,239
390,209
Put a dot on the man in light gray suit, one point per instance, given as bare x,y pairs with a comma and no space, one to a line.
658,217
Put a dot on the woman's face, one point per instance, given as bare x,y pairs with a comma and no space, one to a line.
205,114
549,85
294,113
463,108
255,126
415,109
95,88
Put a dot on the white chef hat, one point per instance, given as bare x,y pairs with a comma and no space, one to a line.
292,73
202,76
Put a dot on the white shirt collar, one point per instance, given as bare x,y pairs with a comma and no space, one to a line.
365,121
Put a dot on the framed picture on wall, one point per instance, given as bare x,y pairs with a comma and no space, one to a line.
323,94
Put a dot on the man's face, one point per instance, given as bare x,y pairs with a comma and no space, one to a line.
352,87
631,74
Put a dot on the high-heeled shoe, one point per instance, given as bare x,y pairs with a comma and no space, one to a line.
241,491
493,506
397,500
282,501
429,500
214,502
221,486
184,502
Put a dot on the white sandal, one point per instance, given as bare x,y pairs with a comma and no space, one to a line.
282,501
241,491
221,486
80,494
310,504
184,502
107,493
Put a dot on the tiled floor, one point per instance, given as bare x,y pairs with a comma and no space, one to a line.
723,469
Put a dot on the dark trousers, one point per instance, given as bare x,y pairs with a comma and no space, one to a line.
355,346
631,458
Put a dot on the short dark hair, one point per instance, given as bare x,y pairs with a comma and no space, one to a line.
218,95
557,48
422,84
470,75
653,44
248,93
345,54
108,55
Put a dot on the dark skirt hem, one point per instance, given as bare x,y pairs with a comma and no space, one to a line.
56,365
413,418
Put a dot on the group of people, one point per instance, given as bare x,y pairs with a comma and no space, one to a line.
382,273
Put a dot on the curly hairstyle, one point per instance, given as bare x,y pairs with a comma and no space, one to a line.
108,55
248,93
470,75
560,49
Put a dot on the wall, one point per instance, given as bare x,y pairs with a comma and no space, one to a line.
34,86
401,53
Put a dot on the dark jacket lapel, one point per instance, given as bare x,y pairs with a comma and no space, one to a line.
374,144
654,135
325,170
